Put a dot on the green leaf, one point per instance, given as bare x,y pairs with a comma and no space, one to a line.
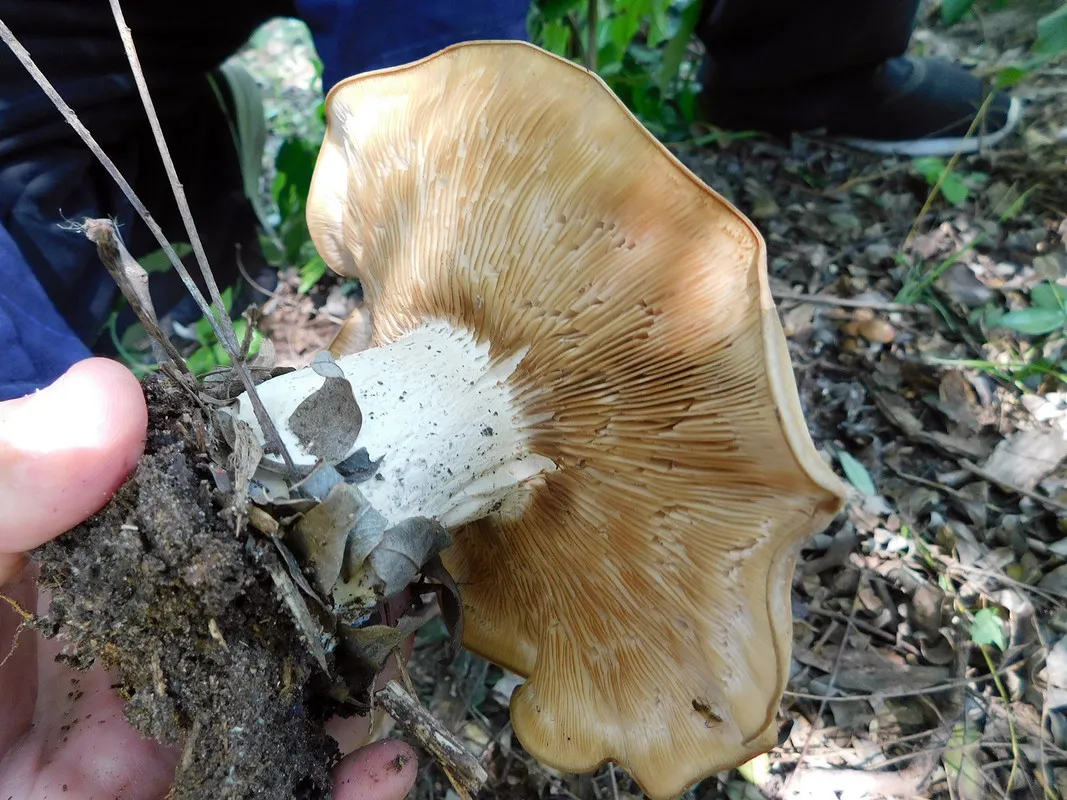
311,273
987,629
1011,76
954,187
295,164
248,127
676,49
204,334
157,260
1052,33
856,473
557,9
930,168
556,38
1049,295
952,11
1034,321
202,360
955,190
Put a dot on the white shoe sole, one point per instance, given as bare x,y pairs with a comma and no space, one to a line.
946,146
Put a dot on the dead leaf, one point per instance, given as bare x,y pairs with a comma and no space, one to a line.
305,622
1026,457
451,605
872,673
358,467
328,421
403,551
959,402
321,535
244,460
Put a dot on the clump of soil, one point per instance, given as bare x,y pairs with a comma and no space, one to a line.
162,589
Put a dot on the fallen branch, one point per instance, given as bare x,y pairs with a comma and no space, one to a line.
463,770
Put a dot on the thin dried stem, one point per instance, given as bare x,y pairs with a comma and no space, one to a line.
833,679
230,338
926,690
220,321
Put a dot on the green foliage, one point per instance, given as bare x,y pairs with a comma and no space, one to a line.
956,186
1047,312
295,165
211,353
1050,37
311,273
1052,33
856,473
952,11
643,52
158,261
987,629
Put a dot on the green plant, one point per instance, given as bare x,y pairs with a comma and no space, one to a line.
1047,312
641,48
955,185
211,353
1050,40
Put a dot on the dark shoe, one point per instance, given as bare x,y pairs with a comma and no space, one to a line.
907,106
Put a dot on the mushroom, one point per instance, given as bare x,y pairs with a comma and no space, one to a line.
575,366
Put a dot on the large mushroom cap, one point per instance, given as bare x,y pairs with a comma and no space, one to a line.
644,591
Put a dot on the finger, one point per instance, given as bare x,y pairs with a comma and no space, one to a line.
63,453
18,659
381,771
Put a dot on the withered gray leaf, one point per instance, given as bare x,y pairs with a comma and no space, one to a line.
320,536
295,572
326,365
358,467
328,421
451,605
244,460
318,482
404,549
364,537
305,622
371,645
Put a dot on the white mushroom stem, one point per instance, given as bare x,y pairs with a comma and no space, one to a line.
439,412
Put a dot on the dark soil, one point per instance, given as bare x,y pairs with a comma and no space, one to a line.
161,590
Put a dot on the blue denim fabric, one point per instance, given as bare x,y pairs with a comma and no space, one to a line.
36,343
354,36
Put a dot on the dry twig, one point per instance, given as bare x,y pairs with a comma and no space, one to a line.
463,770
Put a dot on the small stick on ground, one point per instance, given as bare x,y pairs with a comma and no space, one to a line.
846,302
463,770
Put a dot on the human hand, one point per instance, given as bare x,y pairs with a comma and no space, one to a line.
63,453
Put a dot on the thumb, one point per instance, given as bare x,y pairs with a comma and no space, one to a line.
63,452
381,771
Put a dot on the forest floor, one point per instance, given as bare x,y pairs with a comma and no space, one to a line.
930,620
